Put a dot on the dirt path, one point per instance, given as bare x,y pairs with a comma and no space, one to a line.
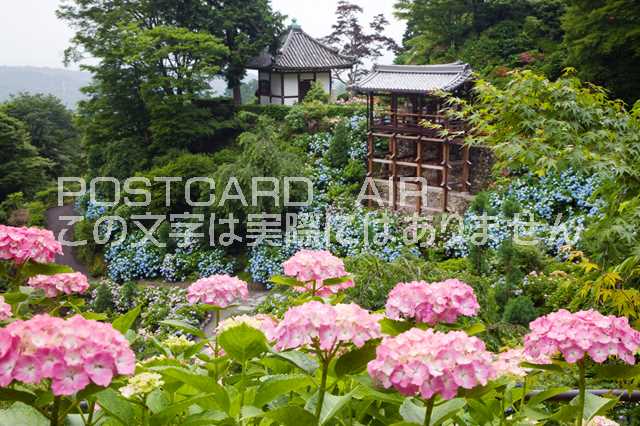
56,226
257,294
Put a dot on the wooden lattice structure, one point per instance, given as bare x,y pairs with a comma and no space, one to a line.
410,137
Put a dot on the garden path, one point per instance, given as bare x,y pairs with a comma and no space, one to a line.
257,294
56,225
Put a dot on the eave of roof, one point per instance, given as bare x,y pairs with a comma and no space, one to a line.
421,79
301,52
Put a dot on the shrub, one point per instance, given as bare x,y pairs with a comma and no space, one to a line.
274,111
89,254
520,310
316,94
375,278
338,153
102,299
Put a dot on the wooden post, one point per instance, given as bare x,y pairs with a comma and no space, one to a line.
394,111
371,107
419,173
369,112
394,154
370,154
445,176
466,163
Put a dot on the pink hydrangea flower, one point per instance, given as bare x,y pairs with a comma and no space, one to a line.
583,333
325,326
5,309
602,421
507,363
313,267
22,244
72,353
54,285
441,302
427,362
218,290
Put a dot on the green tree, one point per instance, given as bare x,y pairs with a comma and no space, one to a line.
264,152
490,35
246,28
155,58
52,130
248,91
604,43
23,170
353,40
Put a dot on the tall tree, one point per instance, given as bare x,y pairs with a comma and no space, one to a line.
246,28
603,39
52,130
23,170
155,58
489,34
352,39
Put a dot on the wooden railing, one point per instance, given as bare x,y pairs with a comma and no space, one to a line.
412,123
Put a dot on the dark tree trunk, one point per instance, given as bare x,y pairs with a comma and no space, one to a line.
237,95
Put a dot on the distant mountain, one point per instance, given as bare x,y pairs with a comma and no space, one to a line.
62,83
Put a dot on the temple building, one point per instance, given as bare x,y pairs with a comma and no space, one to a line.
412,141
286,77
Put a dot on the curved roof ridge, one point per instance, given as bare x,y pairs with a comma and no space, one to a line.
453,67
414,78
326,46
299,51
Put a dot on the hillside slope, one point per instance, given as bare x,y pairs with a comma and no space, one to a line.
62,83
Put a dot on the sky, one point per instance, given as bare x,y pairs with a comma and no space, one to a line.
30,33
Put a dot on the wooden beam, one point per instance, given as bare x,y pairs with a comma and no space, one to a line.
445,177
394,110
370,159
394,171
466,163
419,174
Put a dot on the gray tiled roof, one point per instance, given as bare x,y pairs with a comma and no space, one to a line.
301,52
414,78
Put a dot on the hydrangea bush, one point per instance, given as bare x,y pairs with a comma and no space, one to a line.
134,259
561,205
351,232
416,364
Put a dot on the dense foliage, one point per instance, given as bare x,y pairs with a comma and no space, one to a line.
23,168
549,127
52,129
155,61
595,37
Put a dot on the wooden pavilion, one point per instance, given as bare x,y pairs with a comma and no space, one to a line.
409,136
286,77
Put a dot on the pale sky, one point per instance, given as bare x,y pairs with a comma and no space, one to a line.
30,33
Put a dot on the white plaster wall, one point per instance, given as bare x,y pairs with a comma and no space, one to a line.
290,101
306,76
291,84
265,100
325,79
276,84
